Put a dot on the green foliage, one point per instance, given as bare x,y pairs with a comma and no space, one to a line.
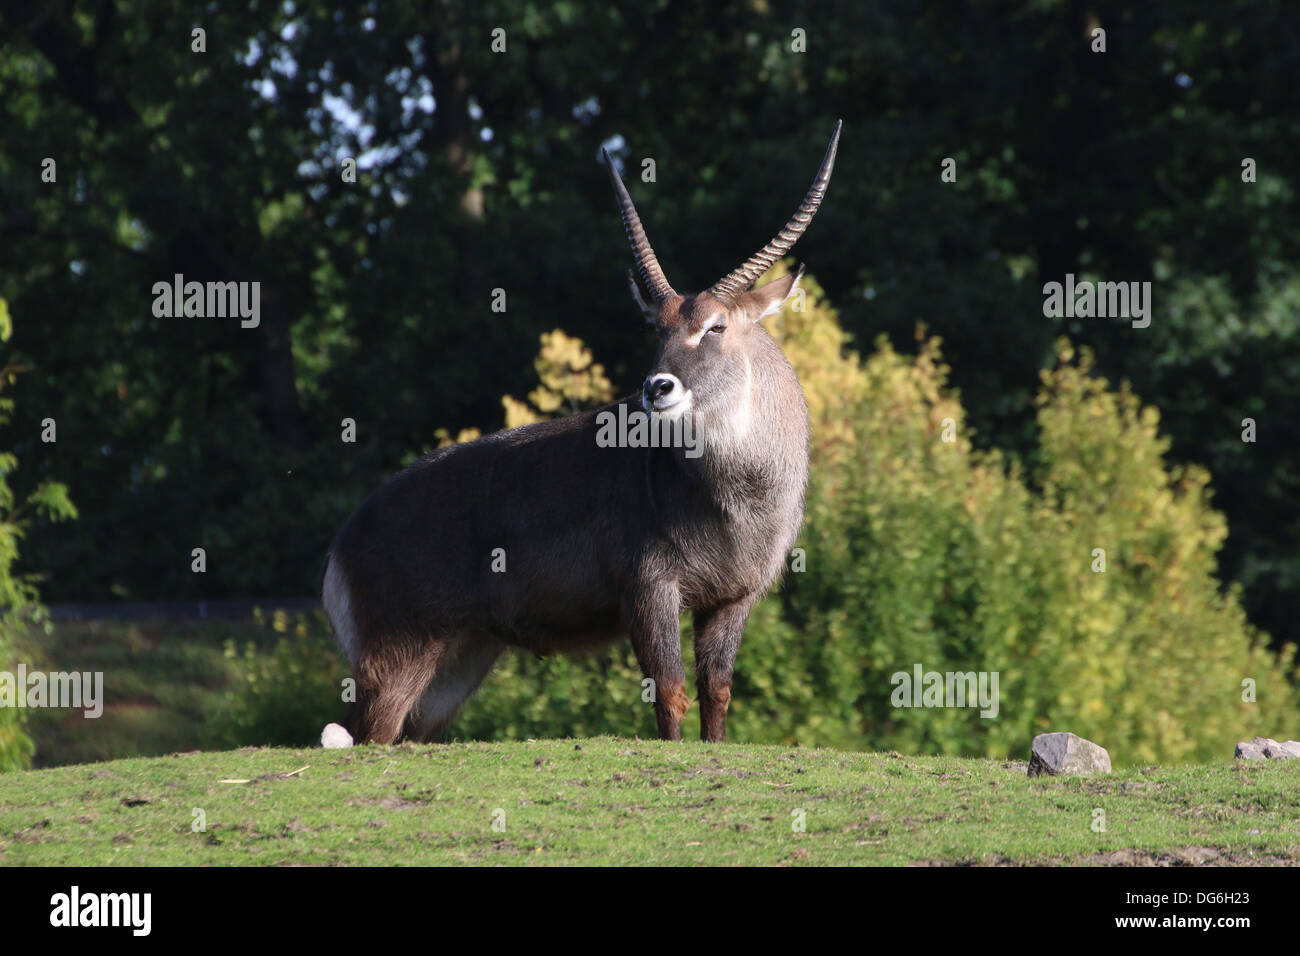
284,694
19,596
934,553
1220,357
481,171
919,550
569,382
375,293
528,696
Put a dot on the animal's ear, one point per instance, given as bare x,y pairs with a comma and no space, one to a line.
767,300
650,312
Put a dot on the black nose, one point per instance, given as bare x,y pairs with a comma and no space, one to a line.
658,387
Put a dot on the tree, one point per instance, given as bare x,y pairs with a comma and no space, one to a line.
477,170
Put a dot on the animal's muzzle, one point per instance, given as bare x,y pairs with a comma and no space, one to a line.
662,390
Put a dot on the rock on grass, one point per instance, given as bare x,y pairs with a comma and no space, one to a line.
1266,748
1064,753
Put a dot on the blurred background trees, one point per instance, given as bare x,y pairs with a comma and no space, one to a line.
20,607
478,170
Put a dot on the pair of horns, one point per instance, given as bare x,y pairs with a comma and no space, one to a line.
734,283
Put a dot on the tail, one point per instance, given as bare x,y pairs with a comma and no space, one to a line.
336,597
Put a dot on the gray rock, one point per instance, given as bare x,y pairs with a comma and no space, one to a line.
1250,749
1266,748
1063,753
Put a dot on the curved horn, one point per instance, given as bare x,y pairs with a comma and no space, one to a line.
646,261
737,282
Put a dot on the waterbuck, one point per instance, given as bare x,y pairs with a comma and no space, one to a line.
550,539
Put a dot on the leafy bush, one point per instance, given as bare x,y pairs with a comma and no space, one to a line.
19,596
570,382
922,551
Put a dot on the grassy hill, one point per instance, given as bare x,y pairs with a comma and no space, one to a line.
614,801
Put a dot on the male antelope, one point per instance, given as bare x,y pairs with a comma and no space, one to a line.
597,541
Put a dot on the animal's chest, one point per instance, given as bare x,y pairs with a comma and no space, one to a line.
723,561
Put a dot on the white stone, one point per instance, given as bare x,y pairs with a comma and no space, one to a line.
334,737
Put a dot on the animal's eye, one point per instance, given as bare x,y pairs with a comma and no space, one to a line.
717,329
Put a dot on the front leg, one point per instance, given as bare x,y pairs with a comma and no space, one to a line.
657,642
717,640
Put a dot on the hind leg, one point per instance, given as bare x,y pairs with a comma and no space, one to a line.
390,678
466,662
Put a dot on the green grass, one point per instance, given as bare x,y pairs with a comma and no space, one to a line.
613,801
